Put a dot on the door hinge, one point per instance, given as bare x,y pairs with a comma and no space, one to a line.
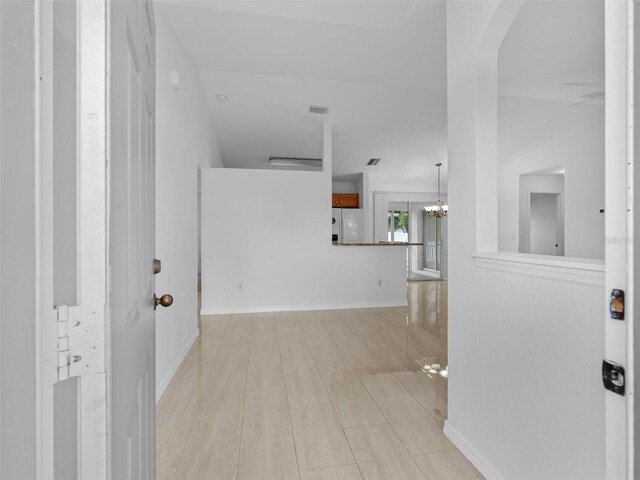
80,340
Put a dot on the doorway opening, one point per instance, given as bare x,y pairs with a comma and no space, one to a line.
542,213
544,224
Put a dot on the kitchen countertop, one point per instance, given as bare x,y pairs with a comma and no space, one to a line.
379,244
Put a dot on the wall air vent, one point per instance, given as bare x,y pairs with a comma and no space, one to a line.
318,109
373,161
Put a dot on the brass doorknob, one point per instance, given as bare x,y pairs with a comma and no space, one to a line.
165,300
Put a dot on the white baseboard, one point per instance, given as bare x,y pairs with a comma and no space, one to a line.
162,386
298,308
478,461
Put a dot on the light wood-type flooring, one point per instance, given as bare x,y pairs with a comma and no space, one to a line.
314,395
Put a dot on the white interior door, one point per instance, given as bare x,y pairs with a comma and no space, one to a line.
97,360
132,230
543,223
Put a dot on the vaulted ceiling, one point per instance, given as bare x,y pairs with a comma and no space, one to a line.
380,67
554,50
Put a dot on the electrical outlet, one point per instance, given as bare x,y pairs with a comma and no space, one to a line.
379,283
240,286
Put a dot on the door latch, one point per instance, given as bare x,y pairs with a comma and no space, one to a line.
616,304
613,376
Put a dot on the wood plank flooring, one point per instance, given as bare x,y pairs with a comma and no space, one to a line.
314,395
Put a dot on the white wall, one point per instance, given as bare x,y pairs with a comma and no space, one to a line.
185,140
525,397
18,237
275,251
535,135
344,187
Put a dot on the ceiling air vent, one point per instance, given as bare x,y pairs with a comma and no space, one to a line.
373,161
318,109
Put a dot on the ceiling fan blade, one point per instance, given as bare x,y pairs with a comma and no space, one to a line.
588,100
593,95
583,84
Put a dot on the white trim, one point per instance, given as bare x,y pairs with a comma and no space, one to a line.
618,229
300,308
564,269
478,461
1,377
93,223
107,152
162,386
631,264
42,283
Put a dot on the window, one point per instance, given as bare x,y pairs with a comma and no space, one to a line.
398,226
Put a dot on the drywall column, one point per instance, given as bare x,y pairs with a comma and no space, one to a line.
327,149
487,152
487,124
367,205
380,209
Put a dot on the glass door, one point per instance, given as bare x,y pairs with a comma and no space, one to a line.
431,242
398,226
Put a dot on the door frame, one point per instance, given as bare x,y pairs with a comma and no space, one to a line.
620,213
92,233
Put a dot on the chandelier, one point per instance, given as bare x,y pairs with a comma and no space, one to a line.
440,209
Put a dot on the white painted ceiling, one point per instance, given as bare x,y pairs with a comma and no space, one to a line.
380,66
376,14
551,43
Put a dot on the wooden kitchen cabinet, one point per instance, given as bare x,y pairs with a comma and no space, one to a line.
350,200
345,200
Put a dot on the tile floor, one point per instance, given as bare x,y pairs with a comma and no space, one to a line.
316,395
